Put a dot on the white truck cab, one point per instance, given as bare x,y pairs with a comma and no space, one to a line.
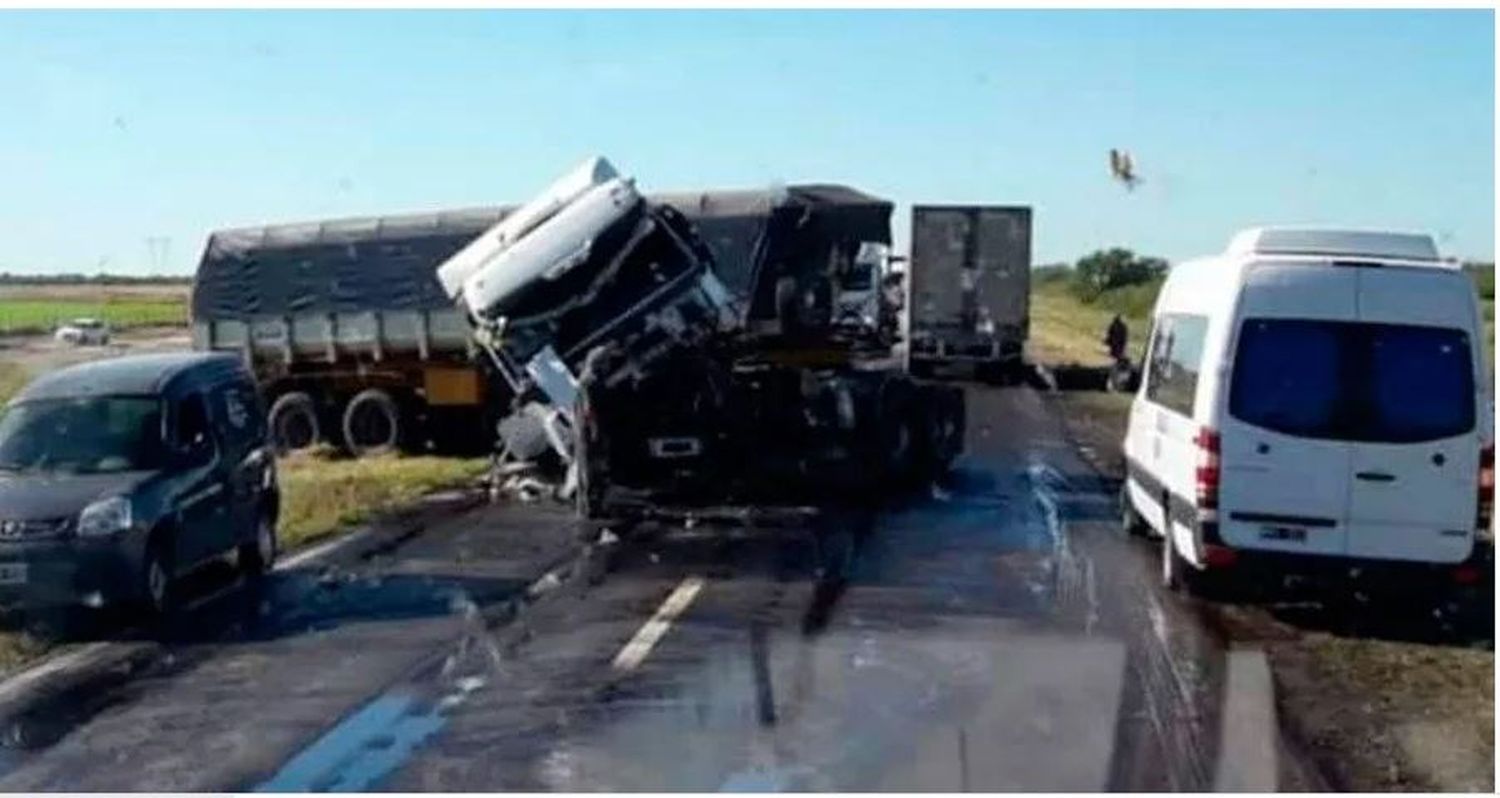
1313,398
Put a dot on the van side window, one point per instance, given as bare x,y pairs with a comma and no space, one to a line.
1176,357
238,408
191,432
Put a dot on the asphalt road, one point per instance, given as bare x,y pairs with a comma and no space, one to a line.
1000,633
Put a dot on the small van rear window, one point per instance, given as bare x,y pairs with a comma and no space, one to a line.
1356,381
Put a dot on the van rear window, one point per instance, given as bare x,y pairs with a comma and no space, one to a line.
1379,383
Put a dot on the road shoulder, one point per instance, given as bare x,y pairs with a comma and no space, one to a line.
1360,713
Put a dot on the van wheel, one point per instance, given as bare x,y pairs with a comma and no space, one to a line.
156,581
372,423
255,557
293,422
1172,565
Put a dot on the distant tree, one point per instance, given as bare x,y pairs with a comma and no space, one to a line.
1109,269
1052,273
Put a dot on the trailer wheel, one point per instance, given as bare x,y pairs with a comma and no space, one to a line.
294,422
372,423
898,436
945,416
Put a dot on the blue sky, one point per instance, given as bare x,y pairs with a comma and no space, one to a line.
119,127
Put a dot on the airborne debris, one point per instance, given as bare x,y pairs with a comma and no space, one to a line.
1122,168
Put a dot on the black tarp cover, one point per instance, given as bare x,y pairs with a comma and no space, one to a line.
390,262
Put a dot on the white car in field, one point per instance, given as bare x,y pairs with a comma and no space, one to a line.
83,332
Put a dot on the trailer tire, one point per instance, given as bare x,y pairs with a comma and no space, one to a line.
371,423
899,437
294,422
949,430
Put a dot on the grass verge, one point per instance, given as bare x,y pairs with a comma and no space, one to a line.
12,378
321,494
1376,714
1065,330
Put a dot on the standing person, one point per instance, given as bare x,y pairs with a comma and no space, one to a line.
1116,337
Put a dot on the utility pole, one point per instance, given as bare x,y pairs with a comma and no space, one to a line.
156,251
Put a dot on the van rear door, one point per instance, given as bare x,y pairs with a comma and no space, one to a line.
1285,466
1416,457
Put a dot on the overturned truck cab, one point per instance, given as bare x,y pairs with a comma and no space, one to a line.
677,367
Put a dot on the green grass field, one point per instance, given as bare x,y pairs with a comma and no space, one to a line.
1065,329
40,315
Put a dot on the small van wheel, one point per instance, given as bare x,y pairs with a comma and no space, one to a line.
256,556
156,582
293,422
372,423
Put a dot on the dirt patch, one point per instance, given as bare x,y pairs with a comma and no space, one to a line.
35,355
1371,714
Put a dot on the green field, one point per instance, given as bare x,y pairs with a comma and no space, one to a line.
1065,329
37,315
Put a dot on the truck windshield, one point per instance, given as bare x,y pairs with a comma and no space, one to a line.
90,435
858,277
1381,383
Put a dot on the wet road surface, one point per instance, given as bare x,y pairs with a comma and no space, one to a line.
1000,633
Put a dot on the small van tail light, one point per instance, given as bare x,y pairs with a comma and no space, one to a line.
1486,501
1207,472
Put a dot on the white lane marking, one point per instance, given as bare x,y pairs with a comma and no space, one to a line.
1247,747
635,652
320,550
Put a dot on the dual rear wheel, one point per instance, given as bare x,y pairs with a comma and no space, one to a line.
371,422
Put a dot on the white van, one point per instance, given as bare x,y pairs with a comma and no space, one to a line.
1313,398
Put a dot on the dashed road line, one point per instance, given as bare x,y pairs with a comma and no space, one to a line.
652,631
1247,747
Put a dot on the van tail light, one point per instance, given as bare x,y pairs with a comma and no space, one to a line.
1206,475
1486,499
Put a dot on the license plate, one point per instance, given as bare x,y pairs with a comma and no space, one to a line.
1289,533
672,448
12,573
